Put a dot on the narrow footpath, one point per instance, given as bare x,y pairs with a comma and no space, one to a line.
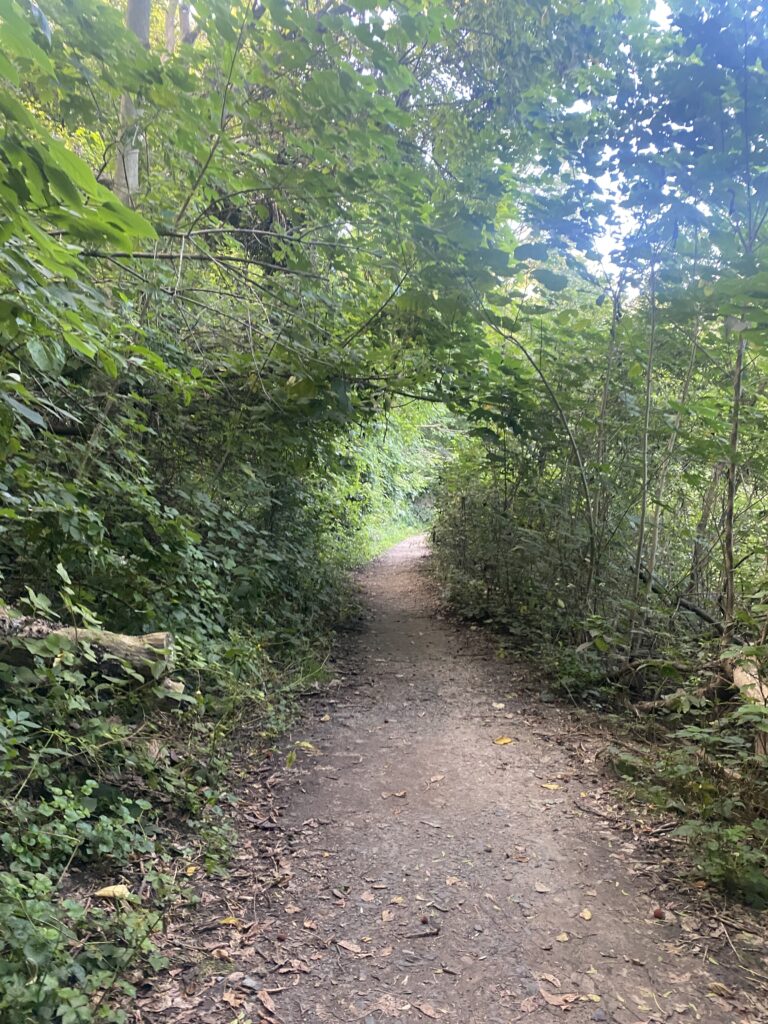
447,847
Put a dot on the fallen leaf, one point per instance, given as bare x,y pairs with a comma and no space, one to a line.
387,915
190,870
586,914
291,908
719,989
310,925
498,705
351,947
562,937
325,718
551,979
529,1004
387,951
558,1000
397,900
550,785
427,1009
232,921
114,892
452,880
266,1000
233,999
400,794
540,887
502,741
437,778
367,897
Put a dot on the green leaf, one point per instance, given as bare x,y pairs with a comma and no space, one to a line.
552,281
531,251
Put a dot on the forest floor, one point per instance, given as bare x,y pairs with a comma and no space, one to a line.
411,866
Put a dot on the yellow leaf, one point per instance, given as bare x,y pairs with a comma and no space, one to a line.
550,785
190,869
233,921
586,914
325,718
114,892
562,937
502,741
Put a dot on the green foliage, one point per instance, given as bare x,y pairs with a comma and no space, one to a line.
608,501
207,392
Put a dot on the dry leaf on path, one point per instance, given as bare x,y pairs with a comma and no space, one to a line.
387,915
436,778
427,1009
498,705
562,937
540,887
559,1000
529,1004
551,979
310,925
502,741
452,880
351,947
367,897
233,922
113,892
266,1000
400,794
233,999
550,785
586,914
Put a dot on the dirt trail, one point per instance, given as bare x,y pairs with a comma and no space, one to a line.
430,873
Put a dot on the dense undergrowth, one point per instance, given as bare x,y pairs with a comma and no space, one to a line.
678,681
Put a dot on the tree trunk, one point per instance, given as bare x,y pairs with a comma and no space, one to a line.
150,656
170,25
185,21
642,523
128,149
699,557
730,498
